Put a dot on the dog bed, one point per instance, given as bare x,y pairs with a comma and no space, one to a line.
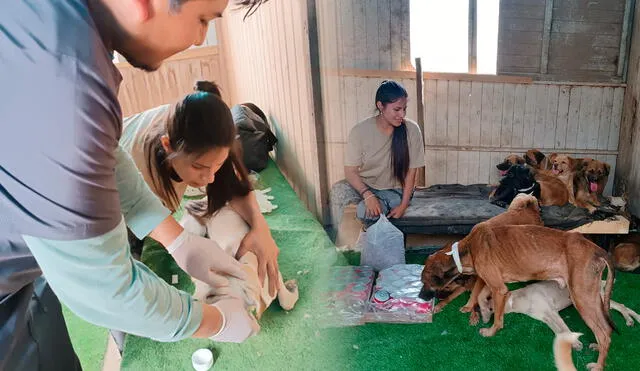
456,208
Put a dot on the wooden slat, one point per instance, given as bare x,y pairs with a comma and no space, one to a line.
551,116
563,117
453,113
618,226
518,115
452,167
574,117
359,72
371,37
475,116
496,113
430,112
395,29
616,118
464,117
360,22
546,34
440,134
529,116
604,123
384,34
487,114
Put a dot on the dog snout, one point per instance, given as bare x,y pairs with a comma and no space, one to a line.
426,294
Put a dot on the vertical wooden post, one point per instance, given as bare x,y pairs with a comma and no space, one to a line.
546,36
420,176
318,111
627,28
473,36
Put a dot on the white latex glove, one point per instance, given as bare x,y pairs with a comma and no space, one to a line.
237,324
264,200
204,260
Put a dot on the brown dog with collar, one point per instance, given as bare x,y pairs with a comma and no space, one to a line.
519,253
523,210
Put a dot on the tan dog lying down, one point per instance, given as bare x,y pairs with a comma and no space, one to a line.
227,228
542,301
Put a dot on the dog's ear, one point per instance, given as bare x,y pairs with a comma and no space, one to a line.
581,165
530,157
607,168
539,156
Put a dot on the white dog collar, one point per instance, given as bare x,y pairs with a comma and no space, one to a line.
456,256
527,189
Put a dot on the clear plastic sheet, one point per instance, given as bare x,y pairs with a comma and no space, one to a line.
348,292
395,296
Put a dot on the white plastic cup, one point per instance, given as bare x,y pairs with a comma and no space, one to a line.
202,359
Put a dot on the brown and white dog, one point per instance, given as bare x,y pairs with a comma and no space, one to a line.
520,253
227,228
626,253
537,160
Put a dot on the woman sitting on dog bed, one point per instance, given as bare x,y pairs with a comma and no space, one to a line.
382,156
192,143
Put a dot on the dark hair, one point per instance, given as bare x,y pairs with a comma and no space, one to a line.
390,91
200,122
251,5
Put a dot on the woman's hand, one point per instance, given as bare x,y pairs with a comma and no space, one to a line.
260,242
373,206
397,211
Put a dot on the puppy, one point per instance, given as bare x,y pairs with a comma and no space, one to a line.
537,160
228,229
589,181
542,301
508,161
520,253
522,210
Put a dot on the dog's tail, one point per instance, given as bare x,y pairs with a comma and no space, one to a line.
562,350
608,288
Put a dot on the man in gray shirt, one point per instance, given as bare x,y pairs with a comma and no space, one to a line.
68,191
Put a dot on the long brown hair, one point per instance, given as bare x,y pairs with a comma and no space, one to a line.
198,123
390,91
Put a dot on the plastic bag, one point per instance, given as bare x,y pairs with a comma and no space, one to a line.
395,296
347,295
384,245
264,200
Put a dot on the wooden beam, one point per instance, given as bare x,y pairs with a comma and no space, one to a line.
473,37
318,110
594,152
546,36
356,72
420,99
627,27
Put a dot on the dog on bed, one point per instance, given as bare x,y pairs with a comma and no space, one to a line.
227,228
520,253
523,210
521,179
509,161
589,181
537,160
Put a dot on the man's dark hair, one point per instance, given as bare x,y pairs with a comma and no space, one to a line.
251,5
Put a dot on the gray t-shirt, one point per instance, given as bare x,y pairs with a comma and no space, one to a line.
61,122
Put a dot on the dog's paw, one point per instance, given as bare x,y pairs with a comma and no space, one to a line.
487,332
291,285
595,347
577,345
474,318
466,309
593,367
438,308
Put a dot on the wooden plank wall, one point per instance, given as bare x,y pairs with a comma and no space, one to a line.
584,39
142,90
471,126
267,59
628,171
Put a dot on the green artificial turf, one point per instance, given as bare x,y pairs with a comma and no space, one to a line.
288,340
88,340
449,343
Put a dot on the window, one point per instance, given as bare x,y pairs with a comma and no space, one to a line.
440,34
